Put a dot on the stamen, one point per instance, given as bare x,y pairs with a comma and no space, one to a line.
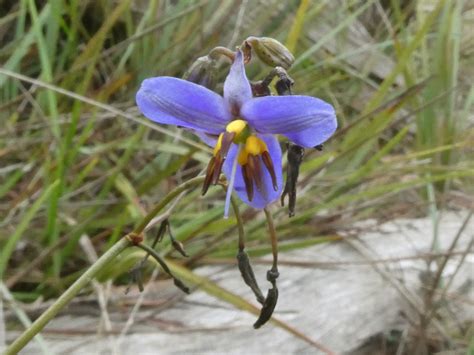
254,164
218,145
227,139
248,181
253,145
219,162
267,161
230,187
209,175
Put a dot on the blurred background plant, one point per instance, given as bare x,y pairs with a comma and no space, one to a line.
80,167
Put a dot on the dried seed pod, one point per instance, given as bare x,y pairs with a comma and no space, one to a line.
295,157
271,52
202,72
268,307
260,88
248,275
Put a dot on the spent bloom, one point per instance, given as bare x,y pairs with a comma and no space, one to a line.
245,148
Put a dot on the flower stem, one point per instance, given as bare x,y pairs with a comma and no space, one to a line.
95,268
240,222
273,238
167,199
217,52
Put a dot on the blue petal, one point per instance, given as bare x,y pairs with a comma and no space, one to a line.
179,102
305,120
237,88
259,200
208,139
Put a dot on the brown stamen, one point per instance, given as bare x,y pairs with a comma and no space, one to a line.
209,174
227,139
254,163
247,175
267,161
217,168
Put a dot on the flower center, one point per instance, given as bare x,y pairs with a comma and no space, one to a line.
253,151
251,156
237,132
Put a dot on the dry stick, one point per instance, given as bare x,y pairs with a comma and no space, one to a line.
412,299
334,264
99,265
136,308
429,298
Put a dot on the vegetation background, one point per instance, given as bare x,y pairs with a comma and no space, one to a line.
80,167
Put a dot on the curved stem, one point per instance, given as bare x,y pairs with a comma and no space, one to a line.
240,222
167,199
163,264
216,52
273,238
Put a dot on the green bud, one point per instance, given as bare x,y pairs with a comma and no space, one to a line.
202,72
271,52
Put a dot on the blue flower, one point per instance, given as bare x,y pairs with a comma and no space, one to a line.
246,149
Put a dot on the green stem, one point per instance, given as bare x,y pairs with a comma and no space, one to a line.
273,237
95,268
67,296
168,198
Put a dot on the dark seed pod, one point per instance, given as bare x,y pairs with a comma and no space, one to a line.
248,275
295,157
268,307
260,88
283,86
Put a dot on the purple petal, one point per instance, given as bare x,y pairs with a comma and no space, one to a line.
179,102
259,200
305,120
209,139
237,88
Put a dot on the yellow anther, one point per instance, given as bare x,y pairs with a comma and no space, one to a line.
255,145
236,126
243,157
218,145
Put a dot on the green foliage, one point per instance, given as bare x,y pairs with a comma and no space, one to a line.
70,167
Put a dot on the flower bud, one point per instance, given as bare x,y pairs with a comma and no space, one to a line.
202,72
271,52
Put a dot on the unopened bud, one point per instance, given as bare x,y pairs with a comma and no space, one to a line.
271,52
202,72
